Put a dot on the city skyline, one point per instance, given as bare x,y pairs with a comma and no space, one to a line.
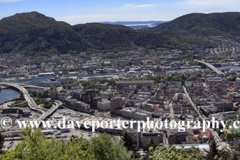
76,12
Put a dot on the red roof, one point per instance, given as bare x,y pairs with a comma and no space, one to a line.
208,133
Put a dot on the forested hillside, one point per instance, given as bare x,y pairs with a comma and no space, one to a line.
34,33
224,24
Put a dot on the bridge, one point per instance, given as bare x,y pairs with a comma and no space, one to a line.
31,103
50,111
29,86
212,67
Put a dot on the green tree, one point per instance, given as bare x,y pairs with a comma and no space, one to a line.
128,141
21,95
214,153
151,144
164,153
235,157
52,87
34,93
104,148
1,142
35,146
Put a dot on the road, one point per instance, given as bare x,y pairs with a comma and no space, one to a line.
194,106
5,105
50,111
214,133
233,51
171,111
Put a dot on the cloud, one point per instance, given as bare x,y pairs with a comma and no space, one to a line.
127,5
227,4
9,1
138,6
146,5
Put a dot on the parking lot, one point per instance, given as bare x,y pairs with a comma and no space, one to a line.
55,118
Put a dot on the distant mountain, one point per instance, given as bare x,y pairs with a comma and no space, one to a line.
226,24
136,24
36,34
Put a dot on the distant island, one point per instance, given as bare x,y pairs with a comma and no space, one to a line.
136,24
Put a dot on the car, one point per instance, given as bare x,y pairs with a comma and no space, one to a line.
58,133
10,144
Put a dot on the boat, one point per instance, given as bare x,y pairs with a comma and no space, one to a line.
24,79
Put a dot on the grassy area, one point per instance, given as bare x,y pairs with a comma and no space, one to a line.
77,109
45,104
19,103
15,99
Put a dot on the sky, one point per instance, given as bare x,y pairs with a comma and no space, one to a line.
84,11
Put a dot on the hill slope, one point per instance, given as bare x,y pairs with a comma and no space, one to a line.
225,24
32,33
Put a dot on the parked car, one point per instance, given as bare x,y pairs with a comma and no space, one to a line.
10,144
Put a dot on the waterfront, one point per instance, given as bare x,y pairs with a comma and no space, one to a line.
36,80
8,94
185,69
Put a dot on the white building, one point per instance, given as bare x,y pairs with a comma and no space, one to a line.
237,80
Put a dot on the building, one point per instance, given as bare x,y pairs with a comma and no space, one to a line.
109,53
13,133
104,105
217,107
205,136
46,74
237,142
82,105
140,49
106,95
238,57
69,56
188,83
62,80
223,115
177,137
77,94
136,114
88,97
117,104
226,105
158,137
144,83
49,84
16,110
82,54
192,140
237,80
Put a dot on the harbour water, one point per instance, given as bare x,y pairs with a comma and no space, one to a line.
8,94
185,69
34,81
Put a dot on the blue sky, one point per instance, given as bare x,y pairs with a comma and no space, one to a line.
83,11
